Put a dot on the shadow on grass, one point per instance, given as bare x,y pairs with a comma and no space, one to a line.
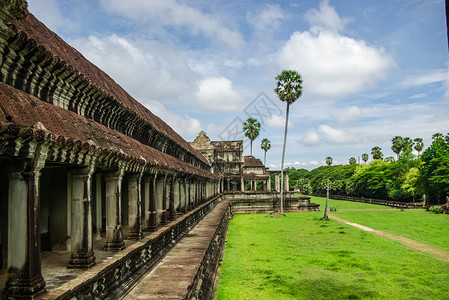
325,288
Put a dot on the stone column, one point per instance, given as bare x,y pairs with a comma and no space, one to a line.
164,216
189,194
114,229
277,183
171,200
24,279
152,207
286,185
146,201
82,255
242,184
98,215
159,198
228,187
269,183
134,215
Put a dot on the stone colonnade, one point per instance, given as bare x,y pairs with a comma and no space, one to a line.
277,181
99,196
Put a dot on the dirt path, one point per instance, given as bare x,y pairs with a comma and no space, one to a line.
441,254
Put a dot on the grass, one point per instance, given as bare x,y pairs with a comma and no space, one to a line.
301,257
416,224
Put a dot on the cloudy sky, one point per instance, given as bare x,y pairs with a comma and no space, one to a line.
371,69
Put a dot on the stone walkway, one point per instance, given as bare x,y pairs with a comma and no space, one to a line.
171,278
422,247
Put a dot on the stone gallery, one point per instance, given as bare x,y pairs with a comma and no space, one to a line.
82,161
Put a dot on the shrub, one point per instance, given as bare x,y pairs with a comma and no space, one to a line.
436,209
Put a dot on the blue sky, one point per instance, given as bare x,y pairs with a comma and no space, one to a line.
371,69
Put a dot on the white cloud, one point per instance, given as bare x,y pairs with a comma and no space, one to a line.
48,11
325,19
147,70
171,13
185,126
338,136
347,114
216,93
439,75
267,19
330,63
311,138
276,121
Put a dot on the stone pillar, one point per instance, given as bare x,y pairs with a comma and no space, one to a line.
171,200
98,215
152,207
82,255
242,184
134,215
24,277
114,229
228,187
269,183
159,190
146,201
164,216
189,194
277,183
286,185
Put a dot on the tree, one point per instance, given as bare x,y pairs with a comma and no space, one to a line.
437,137
419,145
265,145
329,160
389,159
288,89
365,157
397,146
251,128
435,167
377,153
407,144
352,161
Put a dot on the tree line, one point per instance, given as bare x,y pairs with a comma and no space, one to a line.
407,178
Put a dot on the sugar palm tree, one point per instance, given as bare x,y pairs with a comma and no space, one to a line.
288,89
329,160
419,145
407,144
376,152
352,161
365,157
251,128
265,145
398,144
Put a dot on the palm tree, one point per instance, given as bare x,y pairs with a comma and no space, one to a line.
288,89
397,144
352,161
419,145
251,128
389,159
265,145
329,160
365,157
377,153
407,144
437,137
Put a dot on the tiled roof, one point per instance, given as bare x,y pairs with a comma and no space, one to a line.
48,40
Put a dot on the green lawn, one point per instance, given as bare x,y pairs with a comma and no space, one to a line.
301,257
417,224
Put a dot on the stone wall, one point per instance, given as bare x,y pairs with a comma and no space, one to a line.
116,279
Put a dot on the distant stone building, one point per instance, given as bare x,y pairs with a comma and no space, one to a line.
237,172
